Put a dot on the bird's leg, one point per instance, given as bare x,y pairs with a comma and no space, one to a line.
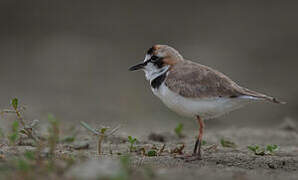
199,139
197,150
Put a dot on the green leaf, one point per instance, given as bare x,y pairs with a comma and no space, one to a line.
270,149
152,153
178,129
260,152
227,144
15,103
252,148
131,139
204,142
103,130
68,139
132,142
257,150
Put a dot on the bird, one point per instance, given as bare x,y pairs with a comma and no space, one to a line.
194,90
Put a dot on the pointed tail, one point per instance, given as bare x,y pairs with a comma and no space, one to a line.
274,100
262,96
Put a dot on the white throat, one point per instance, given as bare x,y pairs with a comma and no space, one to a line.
151,72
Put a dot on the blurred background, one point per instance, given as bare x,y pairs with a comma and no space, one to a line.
71,57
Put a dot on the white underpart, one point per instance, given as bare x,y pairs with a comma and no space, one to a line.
205,108
250,97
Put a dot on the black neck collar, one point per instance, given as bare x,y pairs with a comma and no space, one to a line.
156,82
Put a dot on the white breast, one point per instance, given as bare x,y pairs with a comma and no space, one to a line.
192,107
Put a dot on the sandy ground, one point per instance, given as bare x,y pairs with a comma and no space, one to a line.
217,162
230,163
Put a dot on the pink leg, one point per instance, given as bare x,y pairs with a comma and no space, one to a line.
200,137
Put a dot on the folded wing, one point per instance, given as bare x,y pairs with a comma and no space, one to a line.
193,80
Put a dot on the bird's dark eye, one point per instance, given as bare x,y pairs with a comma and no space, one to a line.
154,58
157,61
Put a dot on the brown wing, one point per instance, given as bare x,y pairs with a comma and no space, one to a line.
190,79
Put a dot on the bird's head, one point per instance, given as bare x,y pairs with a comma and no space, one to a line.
158,60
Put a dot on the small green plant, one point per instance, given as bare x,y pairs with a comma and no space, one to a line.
26,129
178,130
152,153
15,103
132,141
204,142
2,135
13,137
53,131
227,144
101,133
30,155
272,148
256,149
261,151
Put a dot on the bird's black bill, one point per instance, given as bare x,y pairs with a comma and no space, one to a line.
137,67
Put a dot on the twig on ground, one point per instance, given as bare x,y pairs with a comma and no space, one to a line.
161,150
178,150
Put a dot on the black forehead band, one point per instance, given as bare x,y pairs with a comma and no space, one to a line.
150,51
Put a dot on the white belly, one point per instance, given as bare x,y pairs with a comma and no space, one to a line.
192,107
